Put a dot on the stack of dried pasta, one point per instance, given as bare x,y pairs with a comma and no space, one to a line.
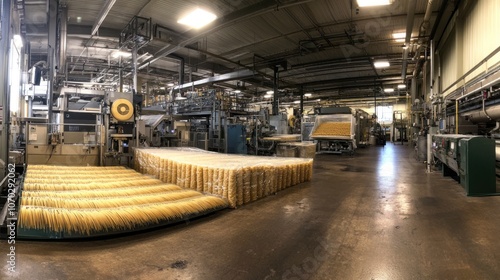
239,179
333,129
89,200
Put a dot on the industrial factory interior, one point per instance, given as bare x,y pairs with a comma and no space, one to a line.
249,139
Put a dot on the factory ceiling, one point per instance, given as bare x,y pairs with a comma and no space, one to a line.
325,47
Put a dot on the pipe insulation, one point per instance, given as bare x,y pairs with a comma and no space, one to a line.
484,115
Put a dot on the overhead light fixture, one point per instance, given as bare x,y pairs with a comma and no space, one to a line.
180,98
270,92
381,64
18,41
237,91
197,18
296,101
308,94
170,84
401,86
388,90
268,96
399,37
117,54
162,88
318,100
371,3
78,19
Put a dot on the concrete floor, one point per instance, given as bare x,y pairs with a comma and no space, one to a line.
376,215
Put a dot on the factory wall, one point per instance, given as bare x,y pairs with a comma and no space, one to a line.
471,36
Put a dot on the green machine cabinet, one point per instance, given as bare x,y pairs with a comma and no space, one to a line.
477,165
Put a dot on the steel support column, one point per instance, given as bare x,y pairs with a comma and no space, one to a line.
301,100
63,34
52,10
275,98
4,84
134,68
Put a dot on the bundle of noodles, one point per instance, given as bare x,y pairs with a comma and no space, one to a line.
239,179
127,191
89,220
89,200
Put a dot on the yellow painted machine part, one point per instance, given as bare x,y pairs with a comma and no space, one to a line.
122,109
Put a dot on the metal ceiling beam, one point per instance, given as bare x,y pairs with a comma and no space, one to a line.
251,11
102,15
220,78
328,25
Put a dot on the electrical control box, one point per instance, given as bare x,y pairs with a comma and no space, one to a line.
477,165
471,157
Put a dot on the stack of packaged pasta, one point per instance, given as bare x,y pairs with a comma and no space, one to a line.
238,178
90,200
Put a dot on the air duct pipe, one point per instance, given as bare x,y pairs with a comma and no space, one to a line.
409,28
423,27
484,115
181,67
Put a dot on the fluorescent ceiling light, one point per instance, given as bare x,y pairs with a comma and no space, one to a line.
18,41
268,96
308,94
78,19
318,100
270,92
197,18
370,3
117,54
170,84
237,91
162,88
388,90
180,98
399,35
296,101
401,86
381,64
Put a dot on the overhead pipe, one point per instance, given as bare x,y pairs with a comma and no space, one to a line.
424,27
181,67
63,34
102,15
409,27
484,114
497,126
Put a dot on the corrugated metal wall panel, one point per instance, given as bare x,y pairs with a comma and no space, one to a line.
480,37
449,59
477,37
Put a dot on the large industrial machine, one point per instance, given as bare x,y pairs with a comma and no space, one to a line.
339,129
91,127
470,158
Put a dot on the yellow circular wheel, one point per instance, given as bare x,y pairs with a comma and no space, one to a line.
122,110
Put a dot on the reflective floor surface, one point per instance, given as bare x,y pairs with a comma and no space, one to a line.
374,215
